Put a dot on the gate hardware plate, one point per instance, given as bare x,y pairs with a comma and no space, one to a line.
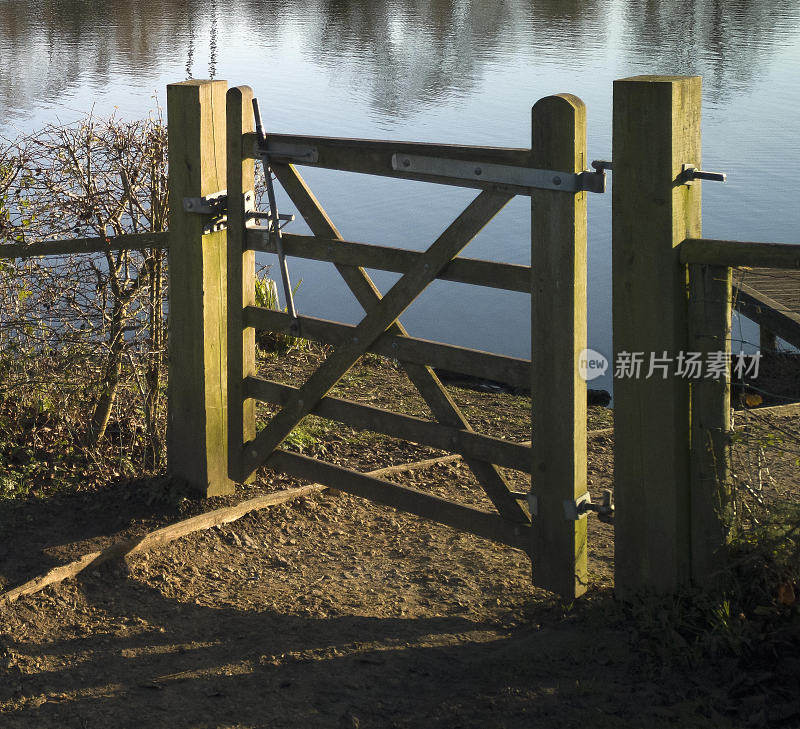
213,204
266,215
689,173
216,204
574,510
500,174
287,152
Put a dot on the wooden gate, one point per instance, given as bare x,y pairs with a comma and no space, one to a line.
553,173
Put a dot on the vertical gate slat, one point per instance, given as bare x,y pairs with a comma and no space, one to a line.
558,335
241,278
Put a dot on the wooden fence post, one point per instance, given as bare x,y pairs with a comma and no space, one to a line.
656,131
710,293
197,430
241,279
558,335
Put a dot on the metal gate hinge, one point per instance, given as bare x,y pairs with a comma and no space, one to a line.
580,507
499,174
574,510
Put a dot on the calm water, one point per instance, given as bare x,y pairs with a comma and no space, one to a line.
442,70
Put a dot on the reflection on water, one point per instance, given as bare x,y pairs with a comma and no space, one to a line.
730,43
447,70
409,50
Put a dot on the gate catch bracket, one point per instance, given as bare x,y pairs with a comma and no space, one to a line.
689,173
580,507
216,205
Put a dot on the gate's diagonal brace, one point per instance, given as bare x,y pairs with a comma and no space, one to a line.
381,315
424,379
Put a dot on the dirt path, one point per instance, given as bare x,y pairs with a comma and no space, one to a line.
329,612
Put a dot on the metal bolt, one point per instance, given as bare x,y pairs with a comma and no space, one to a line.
478,170
406,163
189,204
355,340
556,180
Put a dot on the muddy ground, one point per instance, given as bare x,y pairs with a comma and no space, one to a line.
334,612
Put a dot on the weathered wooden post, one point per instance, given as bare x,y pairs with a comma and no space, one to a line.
197,430
558,336
656,131
241,277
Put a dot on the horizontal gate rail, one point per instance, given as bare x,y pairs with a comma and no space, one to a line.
375,157
458,516
406,427
484,365
132,241
507,276
740,253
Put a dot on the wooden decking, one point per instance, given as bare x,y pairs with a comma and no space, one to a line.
771,298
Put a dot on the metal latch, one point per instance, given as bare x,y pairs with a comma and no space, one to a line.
255,217
689,173
216,205
499,174
574,510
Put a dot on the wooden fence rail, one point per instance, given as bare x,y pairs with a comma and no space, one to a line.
740,253
132,241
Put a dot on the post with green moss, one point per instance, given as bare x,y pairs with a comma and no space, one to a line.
558,335
197,429
656,131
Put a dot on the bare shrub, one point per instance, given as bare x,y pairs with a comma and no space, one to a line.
86,329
